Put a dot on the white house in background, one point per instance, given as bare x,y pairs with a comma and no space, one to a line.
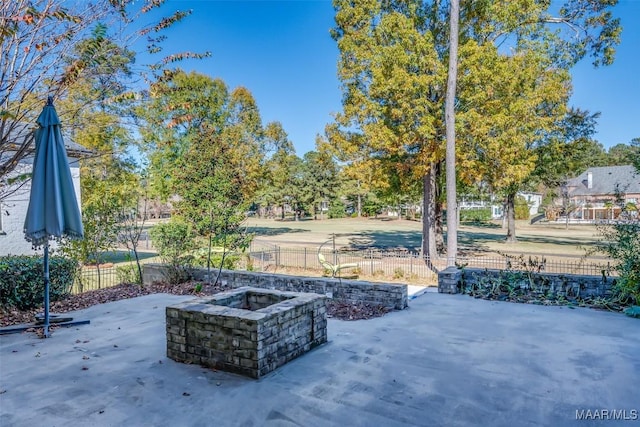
534,200
13,208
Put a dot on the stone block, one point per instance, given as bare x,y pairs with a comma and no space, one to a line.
448,280
245,341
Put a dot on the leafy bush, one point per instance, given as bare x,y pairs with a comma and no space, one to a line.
398,273
231,259
22,280
621,241
522,208
337,209
175,241
128,274
475,215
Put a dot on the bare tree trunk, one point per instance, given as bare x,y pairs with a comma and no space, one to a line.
439,208
429,217
450,121
511,217
359,201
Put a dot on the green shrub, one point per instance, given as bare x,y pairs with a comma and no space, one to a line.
174,241
22,280
621,241
231,259
128,273
337,209
522,208
475,215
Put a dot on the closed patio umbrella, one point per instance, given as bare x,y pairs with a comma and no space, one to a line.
53,207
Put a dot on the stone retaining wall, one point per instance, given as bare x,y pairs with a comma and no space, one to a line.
553,284
392,296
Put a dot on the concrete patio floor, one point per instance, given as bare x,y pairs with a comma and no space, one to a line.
447,360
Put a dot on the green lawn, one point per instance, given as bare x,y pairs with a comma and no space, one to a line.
537,239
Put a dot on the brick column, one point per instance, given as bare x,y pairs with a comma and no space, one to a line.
448,280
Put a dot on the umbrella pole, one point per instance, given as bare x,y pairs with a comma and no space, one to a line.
46,290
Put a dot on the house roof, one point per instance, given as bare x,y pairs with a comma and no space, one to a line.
22,130
607,180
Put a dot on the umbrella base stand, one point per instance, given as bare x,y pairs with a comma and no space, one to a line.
53,318
15,329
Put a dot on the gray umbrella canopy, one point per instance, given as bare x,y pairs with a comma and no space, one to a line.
53,208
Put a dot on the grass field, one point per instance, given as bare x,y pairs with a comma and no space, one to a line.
299,241
474,240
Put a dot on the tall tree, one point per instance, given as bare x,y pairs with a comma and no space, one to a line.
623,154
205,146
569,150
635,158
392,78
108,184
508,102
450,126
392,56
320,178
38,57
279,186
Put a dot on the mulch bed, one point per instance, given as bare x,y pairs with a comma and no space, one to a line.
8,317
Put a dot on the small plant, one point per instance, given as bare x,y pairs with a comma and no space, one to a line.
621,242
128,274
398,273
197,288
175,241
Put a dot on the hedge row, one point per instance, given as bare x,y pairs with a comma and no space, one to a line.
22,280
475,215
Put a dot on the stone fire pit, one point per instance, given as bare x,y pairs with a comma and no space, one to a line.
249,331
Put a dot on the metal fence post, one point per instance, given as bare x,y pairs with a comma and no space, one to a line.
371,258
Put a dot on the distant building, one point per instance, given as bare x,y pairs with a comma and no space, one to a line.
598,193
534,200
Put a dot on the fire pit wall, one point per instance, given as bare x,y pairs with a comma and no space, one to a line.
249,331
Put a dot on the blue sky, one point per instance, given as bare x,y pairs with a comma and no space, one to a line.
283,53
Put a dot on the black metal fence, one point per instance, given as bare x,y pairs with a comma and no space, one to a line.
366,264
414,266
